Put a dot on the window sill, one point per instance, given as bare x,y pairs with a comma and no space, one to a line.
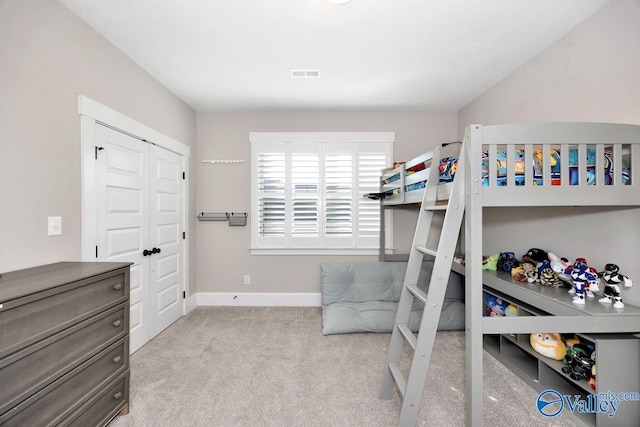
317,251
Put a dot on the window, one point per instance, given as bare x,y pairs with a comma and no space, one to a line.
308,187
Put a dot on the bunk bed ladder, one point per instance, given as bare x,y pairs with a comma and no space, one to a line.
412,388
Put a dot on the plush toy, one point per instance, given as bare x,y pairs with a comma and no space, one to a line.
613,278
494,306
491,263
570,341
511,311
535,255
530,272
549,345
547,276
517,274
559,265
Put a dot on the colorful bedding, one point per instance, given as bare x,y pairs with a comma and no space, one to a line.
448,166
555,159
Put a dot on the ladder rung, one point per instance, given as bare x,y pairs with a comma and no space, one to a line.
426,250
434,207
417,292
398,378
408,336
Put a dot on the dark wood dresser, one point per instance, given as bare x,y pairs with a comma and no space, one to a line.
64,344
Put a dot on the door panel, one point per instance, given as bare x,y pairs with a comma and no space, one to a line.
166,219
140,205
122,199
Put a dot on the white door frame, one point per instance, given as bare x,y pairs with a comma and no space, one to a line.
91,114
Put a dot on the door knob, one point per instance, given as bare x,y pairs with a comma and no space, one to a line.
155,250
146,252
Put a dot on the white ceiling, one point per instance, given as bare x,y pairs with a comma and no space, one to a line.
372,54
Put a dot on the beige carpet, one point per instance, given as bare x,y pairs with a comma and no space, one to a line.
250,366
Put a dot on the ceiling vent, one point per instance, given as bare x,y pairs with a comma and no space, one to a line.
305,74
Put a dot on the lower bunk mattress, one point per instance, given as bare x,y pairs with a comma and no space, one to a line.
363,297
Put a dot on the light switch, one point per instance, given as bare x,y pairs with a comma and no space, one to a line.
55,225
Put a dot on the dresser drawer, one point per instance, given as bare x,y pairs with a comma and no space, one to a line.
103,407
26,371
58,400
26,320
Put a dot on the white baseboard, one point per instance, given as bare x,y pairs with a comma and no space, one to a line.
259,299
192,302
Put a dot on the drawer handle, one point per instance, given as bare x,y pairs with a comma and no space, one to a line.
116,359
117,395
117,323
117,286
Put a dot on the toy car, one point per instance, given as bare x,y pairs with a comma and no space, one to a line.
579,368
507,261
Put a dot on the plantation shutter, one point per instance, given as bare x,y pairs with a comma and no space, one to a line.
371,160
309,194
339,179
271,195
305,199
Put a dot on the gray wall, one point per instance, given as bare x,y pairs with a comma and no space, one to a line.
223,251
47,58
591,74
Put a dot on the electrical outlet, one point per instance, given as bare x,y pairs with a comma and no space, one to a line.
54,226
247,279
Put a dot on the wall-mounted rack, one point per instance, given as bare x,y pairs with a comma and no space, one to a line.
233,218
225,162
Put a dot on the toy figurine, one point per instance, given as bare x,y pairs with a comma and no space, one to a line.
583,279
613,278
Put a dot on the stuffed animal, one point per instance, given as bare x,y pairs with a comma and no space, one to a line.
549,345
511,311
494,306
535,255
613,278
559,265
530,272
517,274
570,341
547,276
491,263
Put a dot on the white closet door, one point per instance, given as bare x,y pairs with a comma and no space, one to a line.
122,201
166,221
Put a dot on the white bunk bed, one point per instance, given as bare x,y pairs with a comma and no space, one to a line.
537,165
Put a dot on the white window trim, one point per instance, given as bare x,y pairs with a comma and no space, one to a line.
316,137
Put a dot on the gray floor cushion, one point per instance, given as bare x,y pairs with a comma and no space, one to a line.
363,298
